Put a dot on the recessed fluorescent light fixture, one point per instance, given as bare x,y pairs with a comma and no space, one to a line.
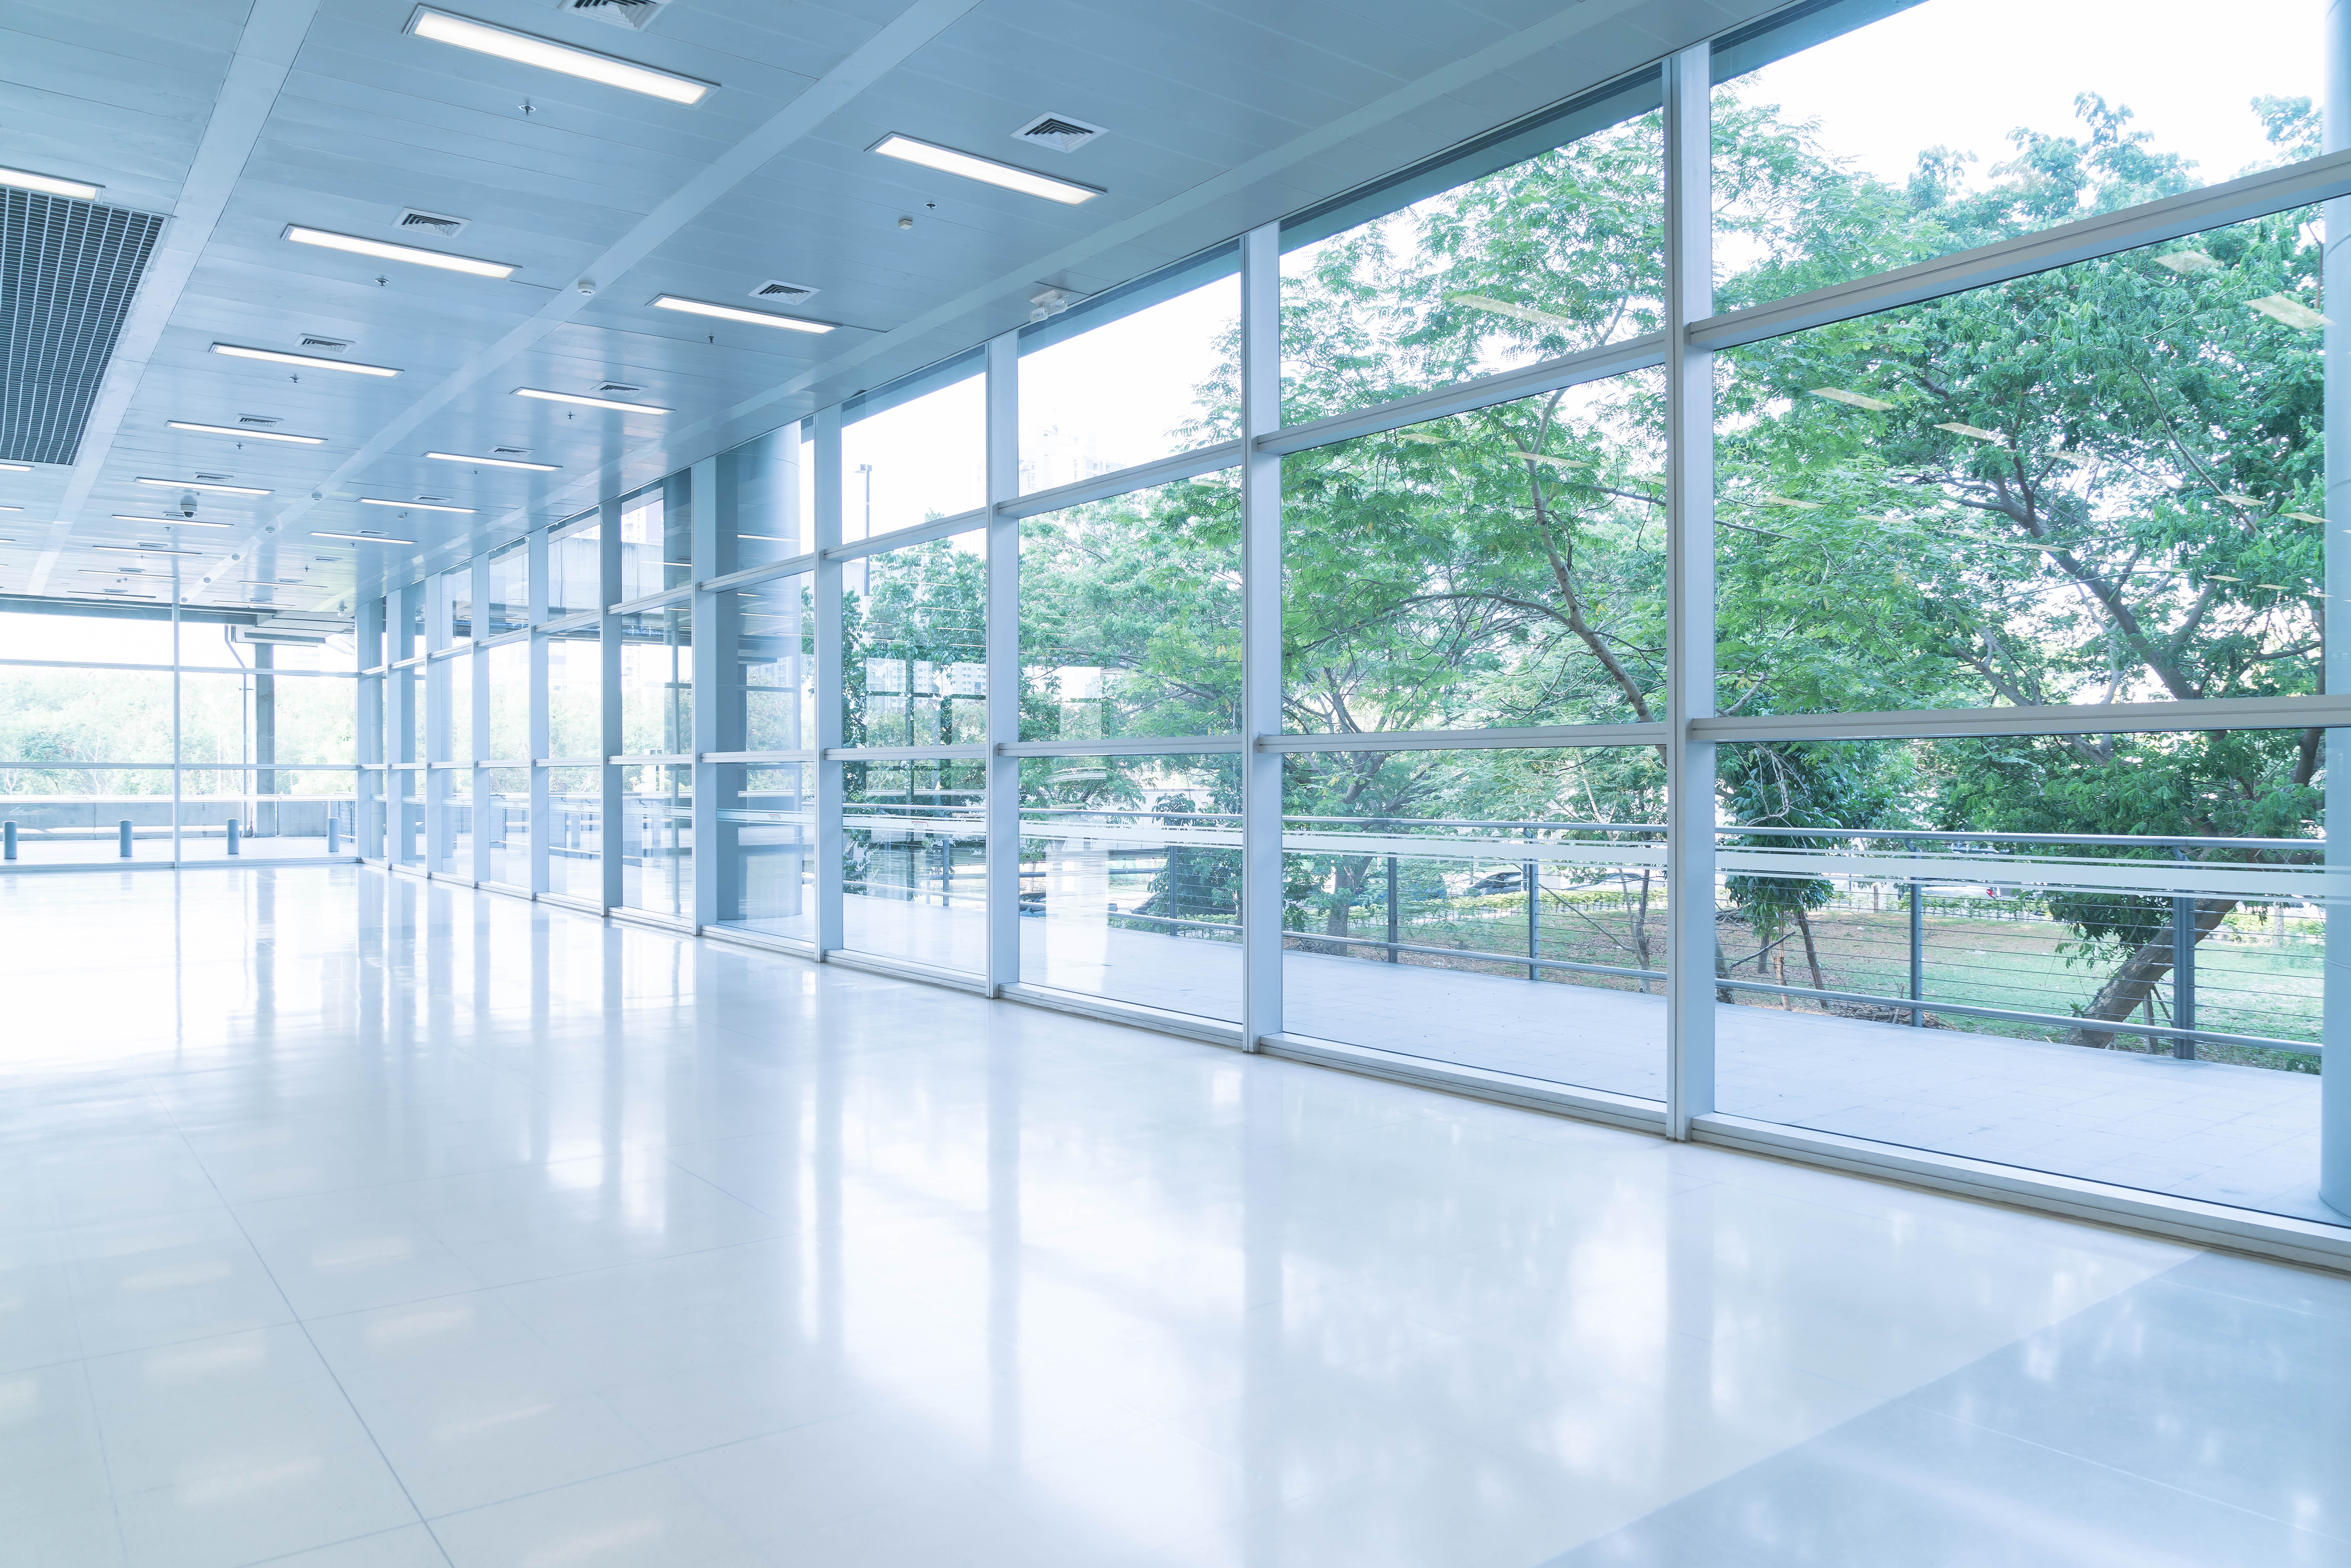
947,161
49,185
588,401
245,432
363,538
413,506
384,251
11,508
309,361
735,313
493,461
200,484
16,467
587,64
144,550
170,522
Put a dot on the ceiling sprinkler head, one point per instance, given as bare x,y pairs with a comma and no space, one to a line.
905,222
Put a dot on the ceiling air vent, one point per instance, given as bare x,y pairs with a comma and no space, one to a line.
67,270
509,451
780,293
620,13
318,345
217,478
412,220
1057,132
619,387
260,421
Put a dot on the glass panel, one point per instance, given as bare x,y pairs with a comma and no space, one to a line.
575,569
657,845
505,807
370,646
406,805
1154,381
84,715
293,819
453,803
100,638
1561,252
304,718
510,701
760,517
767,639
575,832
452,683
403,716
923,459
575,693
1131,879
1935,508
914,645
656,545
1129,615
67,815
1437,903
370,815
1929,132
657,681
765,857
2032,895
1500,568
509,606
914,861
456,586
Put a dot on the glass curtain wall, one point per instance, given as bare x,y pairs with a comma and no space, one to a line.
129,738
1894,701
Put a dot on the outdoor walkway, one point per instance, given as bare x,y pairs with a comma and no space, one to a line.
2225,1133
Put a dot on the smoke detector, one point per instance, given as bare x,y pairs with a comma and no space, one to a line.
777,292
1057,132
620,13
412,220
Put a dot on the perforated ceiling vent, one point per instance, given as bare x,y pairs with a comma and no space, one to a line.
259,419
619,387
1057,132
415,222
620,13
68,272
776,292
318,345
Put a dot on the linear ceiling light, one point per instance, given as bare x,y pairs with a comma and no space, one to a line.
105,593
11,508
548,54
310,361
384,251
947,161
588,401
144,550
735,313
170,522
16,468
49,185
362,538
201,485
242,433
413,506
493,461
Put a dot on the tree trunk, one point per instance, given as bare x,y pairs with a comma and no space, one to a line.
1812,953
2134,981
1721,969
1347,880
1641,931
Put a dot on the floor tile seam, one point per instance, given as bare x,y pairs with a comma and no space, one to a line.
105,1457
1910,1401
374,1442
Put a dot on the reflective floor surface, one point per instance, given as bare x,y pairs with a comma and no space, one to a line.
348,1220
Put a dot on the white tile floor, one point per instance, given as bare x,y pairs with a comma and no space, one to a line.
346,1220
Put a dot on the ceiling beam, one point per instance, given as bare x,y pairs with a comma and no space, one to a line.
273,31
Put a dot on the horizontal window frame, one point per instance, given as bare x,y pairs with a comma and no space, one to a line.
1643,352
1538,737
920,533
2315,712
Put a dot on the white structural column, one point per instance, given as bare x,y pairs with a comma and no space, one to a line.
825,535
609,798
1690,577
702,498
541,827
366,805
477,668
2334,1028
1003,663
1260,636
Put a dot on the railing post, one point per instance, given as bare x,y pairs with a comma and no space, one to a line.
122,836
1528,878
8,841
331,824
2183,968
1918,952
232,836
1393,927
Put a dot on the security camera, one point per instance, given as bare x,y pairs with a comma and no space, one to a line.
187,503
